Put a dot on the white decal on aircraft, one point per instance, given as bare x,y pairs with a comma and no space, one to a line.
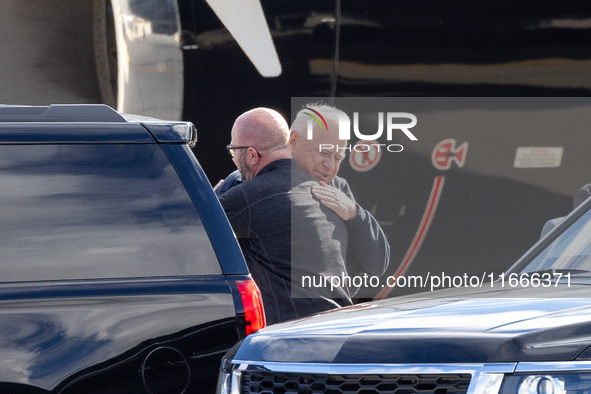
246,22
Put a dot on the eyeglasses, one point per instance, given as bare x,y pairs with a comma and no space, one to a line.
231,149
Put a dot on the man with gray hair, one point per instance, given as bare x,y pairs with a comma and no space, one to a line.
269,217
320,157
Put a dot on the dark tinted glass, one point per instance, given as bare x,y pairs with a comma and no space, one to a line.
96,211
570,251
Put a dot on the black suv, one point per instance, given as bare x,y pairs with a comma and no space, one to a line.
119,271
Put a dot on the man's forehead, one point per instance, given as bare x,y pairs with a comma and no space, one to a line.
327,137
325,140
332,148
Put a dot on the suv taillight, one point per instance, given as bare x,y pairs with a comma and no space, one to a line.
254,314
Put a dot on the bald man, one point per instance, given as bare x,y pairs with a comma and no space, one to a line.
273,209
259,137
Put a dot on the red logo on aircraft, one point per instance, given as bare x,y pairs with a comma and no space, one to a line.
365,155
445,152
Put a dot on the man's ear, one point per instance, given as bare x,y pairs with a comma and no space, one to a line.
252,157
293,139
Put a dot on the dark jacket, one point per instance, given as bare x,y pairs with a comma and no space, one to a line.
286,234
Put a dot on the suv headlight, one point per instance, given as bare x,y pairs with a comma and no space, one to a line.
541,384
555,383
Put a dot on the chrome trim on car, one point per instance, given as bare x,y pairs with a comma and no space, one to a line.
374,368
553,366
486,383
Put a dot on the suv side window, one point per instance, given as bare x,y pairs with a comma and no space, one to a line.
97,211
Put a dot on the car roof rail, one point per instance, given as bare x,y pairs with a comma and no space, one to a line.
60,113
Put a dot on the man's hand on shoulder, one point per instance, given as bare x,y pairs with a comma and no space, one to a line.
217,186
335,199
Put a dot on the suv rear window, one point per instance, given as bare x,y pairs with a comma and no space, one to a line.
97,211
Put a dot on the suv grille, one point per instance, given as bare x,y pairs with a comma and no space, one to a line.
294,383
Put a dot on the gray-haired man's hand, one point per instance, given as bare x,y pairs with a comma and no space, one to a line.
335,199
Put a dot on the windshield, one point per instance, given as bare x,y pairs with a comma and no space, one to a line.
571,251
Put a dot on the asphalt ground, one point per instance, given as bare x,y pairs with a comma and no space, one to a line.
46,54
